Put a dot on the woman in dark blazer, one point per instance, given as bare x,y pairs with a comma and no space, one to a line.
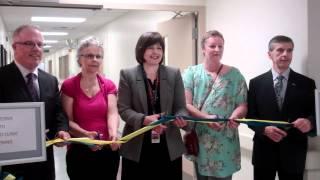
146,91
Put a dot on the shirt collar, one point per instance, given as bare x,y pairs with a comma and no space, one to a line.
285,74
24,71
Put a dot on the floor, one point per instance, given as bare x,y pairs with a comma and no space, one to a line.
244,174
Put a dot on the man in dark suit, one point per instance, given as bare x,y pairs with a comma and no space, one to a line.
14,87
287,98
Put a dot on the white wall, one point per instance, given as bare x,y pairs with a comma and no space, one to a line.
54,57
248,25
124,33
120,37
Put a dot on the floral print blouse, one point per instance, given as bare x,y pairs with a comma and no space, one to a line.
219,151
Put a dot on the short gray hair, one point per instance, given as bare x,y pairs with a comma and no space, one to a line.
19,29
89,42
279,39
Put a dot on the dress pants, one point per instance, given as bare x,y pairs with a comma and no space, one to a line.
84,164
270,174
154,160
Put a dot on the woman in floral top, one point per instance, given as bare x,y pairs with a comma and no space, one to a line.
216,90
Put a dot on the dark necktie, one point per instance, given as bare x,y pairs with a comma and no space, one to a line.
32,87
278,89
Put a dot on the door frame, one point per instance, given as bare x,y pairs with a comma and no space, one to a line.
200,12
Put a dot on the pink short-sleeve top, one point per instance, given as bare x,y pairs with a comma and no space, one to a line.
90,113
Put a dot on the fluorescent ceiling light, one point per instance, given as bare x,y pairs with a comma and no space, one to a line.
87,38
50,41
47,46
54,33
57,19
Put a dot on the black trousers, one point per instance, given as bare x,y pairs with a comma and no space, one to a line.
84,164
34,171
154,160
270,174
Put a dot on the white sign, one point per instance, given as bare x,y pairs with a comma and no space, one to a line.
22,135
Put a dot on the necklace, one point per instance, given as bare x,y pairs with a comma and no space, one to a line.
90,88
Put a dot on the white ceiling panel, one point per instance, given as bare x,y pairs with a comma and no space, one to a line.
16,16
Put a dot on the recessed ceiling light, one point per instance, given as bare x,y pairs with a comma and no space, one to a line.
47,46
50,41
54,33
57,19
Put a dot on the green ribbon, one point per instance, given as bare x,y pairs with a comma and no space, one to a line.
167,118
250,122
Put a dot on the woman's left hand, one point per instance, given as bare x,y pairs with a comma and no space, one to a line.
114,146
232,123
180,122
62,135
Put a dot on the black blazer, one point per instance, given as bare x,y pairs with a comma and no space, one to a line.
290,153
13,89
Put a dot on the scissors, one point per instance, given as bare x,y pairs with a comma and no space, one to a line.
98,136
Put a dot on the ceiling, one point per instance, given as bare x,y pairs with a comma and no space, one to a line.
14,16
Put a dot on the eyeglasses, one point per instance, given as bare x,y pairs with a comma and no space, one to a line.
31,44
92,56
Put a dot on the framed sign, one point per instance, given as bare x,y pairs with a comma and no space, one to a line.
22,133
317,100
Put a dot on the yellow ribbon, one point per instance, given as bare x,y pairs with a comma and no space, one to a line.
103,142
134,134
9,177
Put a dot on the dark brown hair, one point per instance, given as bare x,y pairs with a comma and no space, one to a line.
148,39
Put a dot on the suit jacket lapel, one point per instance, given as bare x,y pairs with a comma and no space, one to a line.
163,89
42,85
289,90
141,89
18,77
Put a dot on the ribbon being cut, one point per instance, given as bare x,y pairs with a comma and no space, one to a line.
164,119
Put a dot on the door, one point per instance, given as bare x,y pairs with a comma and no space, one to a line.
180,43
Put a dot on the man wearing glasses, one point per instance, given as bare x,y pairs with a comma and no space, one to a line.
23,81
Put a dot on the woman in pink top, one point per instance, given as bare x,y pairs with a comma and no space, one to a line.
89,101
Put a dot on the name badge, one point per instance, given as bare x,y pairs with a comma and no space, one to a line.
155,137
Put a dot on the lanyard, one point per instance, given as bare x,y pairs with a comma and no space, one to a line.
152,90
